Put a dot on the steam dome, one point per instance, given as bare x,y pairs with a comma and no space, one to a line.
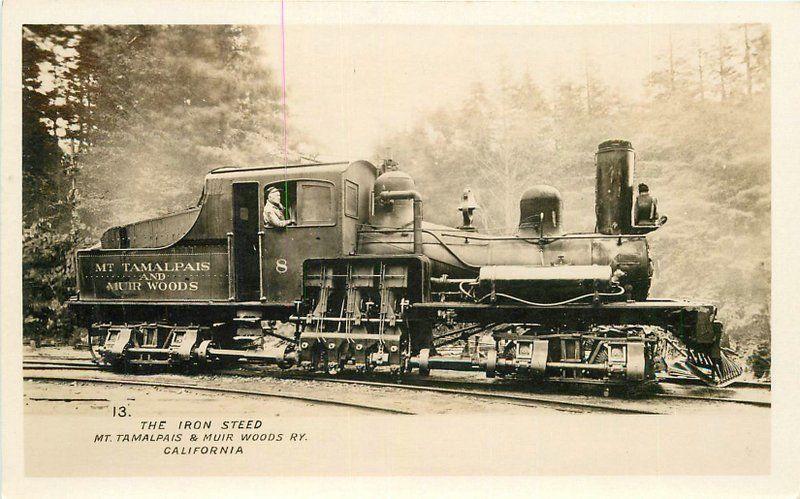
541,204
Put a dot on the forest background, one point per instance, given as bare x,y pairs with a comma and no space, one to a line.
120,123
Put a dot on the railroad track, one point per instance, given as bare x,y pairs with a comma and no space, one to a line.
231,391
508,398
697,382
532,401
483,391
527,400
675,396
60,362
489,391
543,400
50,365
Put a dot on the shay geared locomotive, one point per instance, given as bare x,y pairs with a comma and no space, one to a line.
365,282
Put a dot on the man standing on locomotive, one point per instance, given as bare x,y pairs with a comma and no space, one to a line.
273,210
645,212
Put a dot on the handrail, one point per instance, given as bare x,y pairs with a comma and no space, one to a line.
261,266
231,268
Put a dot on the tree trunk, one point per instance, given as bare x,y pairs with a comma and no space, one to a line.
671,67
747,63
700,72
588,95
722,94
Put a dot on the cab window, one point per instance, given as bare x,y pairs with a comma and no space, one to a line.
350,199
309,202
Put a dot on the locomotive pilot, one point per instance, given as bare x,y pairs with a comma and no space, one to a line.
645,212
273,210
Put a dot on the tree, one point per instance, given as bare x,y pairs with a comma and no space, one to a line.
725,69
701,73
760,361
45,183
708,163
168,103
110,110
568,100
672,83
761,65
747,64
50,229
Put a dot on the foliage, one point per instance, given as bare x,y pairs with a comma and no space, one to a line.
48,279
705,155
45,183
760,361
110,111
183,99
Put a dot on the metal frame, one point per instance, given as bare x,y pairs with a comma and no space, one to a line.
232,282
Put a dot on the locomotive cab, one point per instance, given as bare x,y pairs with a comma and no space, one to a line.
222,250
327,202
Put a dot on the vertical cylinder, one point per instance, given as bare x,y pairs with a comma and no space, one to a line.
614,162
417,226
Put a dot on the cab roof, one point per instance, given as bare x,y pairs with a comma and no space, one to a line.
313,169
338,166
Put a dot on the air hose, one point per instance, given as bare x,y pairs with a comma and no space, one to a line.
620,292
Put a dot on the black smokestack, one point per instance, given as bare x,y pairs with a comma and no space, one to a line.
614,189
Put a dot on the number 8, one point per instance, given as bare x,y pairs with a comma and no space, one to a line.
280,266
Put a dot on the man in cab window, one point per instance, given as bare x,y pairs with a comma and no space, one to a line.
273,210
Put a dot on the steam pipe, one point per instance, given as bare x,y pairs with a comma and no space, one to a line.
439,362
417,227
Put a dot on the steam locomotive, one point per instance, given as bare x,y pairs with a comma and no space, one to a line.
362,281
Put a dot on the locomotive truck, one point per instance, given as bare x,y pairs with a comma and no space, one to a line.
362,281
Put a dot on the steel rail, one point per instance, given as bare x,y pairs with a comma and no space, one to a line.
675,396
52,367
78,363
517,399
694,381
753,384
233,391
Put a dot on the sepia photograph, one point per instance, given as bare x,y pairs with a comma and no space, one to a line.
237,237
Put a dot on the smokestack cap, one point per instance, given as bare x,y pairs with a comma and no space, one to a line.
615,144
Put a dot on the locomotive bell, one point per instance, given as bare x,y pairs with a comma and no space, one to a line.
540,211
